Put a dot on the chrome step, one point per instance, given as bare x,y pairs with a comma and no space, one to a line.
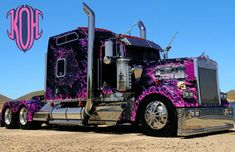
66,122
107,114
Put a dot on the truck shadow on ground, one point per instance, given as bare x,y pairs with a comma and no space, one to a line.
119,129
225,132
127,129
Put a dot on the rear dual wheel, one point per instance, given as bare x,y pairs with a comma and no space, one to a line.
23,119
12,120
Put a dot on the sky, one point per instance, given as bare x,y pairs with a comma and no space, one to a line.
202,26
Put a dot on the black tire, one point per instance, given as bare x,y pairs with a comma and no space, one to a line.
23,119
156,123
10,119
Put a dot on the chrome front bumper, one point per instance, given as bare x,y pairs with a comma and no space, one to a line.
193,121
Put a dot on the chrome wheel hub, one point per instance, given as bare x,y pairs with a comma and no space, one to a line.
23,116
8,116
156,115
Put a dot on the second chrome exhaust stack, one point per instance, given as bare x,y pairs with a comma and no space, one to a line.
142,29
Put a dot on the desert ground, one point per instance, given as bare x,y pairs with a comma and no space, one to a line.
109,139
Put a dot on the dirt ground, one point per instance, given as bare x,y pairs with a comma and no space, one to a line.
109,139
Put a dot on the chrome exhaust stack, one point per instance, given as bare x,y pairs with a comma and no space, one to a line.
142,29
91,35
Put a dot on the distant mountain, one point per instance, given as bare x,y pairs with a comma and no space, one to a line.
30,95
25,97
231,95
3,99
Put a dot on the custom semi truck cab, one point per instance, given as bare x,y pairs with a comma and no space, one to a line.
97,77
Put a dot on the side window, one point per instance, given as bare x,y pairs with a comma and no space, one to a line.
60,68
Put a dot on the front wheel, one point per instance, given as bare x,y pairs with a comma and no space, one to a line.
159,118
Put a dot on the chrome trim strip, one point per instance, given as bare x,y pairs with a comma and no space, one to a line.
67,100
111,99
197,79
102,122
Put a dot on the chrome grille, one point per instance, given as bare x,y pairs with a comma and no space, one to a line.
208,85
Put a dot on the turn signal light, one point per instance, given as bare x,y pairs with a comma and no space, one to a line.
188,94
194,113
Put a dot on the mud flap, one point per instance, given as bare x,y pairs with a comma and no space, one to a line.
1,123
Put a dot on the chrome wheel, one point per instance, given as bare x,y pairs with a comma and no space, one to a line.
8,116
156,115
23,116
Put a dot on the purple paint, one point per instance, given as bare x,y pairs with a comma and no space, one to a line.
168,87
32,106
73,84
189,70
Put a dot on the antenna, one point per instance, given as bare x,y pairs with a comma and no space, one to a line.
130,28
169,46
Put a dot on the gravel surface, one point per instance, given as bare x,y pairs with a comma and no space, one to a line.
109,139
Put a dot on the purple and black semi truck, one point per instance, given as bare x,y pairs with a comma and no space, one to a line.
96,77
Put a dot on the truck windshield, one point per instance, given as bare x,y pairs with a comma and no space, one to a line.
142,55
